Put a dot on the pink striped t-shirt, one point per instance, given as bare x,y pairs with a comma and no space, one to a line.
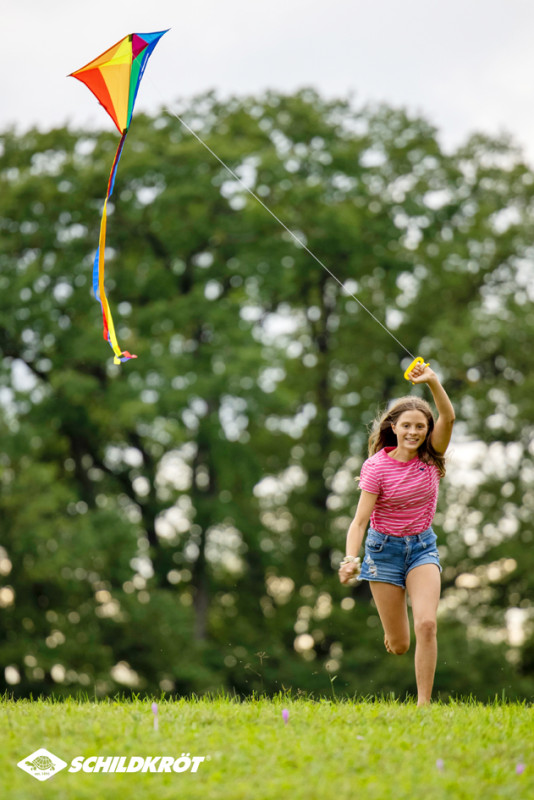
407,493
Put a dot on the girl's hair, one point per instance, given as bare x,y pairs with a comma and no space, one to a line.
382,433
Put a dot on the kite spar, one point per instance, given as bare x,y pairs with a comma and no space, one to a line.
114,78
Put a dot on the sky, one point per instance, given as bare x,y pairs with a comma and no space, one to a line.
465,65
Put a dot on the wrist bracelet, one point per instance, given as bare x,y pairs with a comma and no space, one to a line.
350,560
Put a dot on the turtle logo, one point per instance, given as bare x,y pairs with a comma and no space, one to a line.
42,764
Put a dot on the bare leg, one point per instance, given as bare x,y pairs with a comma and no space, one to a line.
390,601
423,585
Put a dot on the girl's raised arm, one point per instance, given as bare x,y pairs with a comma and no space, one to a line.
441,435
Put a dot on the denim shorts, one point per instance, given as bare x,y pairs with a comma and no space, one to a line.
389,559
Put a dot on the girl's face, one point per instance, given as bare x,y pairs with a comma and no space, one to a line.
411,430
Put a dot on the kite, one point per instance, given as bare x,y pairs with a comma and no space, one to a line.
114,78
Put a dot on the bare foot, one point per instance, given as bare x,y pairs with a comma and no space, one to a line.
386,645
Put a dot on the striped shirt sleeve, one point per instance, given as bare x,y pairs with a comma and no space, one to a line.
370,477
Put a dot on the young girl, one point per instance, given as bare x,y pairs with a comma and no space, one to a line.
399,483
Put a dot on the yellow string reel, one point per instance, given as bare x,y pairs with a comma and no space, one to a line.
416,361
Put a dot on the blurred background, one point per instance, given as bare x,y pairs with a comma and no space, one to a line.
174,525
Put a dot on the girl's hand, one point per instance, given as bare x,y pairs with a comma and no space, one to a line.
349,572
422,374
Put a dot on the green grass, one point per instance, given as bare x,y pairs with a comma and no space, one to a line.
329,749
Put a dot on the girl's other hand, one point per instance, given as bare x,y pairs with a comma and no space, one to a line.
348,573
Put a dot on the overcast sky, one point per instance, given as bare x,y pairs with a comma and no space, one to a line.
464,64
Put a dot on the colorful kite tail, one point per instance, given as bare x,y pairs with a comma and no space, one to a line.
98,269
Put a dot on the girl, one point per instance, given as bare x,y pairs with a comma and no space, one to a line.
399,483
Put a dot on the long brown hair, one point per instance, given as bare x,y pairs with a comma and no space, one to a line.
382,434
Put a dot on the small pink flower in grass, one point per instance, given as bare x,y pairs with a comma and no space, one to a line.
520,768
285,715
440,764
155,712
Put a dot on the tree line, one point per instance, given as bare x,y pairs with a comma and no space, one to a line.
175,524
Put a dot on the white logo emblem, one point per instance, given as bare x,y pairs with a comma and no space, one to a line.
42,764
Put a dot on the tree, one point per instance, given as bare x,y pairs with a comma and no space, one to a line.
176,522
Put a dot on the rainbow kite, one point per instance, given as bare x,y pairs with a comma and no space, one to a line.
114,79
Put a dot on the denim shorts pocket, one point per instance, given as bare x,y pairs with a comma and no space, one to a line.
374,545
428,541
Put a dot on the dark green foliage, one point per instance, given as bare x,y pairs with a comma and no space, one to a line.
179,519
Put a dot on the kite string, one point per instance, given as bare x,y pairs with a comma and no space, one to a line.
291,233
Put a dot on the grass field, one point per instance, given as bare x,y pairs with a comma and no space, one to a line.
327,749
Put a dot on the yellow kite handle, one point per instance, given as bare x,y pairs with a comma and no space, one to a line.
417,360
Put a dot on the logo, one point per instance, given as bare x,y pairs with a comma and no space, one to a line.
42,764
